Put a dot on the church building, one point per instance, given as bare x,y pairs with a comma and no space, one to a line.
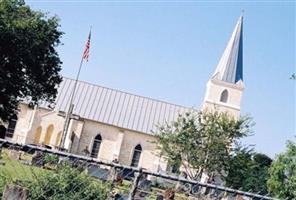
109,124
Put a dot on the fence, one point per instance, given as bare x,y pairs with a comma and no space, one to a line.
24,161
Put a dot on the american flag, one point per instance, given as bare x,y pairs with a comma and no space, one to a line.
87,47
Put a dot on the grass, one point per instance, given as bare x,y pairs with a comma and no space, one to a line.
13,170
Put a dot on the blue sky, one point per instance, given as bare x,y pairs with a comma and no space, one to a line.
168,50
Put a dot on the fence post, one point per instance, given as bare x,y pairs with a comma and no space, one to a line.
135,184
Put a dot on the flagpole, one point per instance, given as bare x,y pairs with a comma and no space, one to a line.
71,105
70,109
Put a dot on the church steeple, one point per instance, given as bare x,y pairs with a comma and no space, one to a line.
230,67
225,87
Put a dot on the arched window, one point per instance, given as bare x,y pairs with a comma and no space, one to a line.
224,96
37,135
11,126
48,135
136,156
96,146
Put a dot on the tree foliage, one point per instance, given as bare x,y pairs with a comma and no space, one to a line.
29,63
203,141
248,170
282,181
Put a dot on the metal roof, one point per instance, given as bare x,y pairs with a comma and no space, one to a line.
230,67
115,107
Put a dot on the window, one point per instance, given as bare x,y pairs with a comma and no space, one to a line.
37,135
11,126
136,156
96,146
224,96
48,134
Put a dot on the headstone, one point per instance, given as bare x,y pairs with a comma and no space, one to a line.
144,186
14,154
97,172
38,159
15,192
26,162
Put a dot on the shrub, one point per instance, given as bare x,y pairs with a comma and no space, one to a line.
66,183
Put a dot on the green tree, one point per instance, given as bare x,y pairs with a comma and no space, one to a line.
282,181
29,63
202,140
66,183
248,171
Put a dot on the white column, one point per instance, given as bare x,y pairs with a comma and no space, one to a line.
67,143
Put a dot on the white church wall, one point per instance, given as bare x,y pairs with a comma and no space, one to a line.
149,159
109,136
23,123
118,143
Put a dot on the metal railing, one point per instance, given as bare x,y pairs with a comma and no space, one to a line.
137,176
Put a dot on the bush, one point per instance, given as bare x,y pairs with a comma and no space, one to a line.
51,159
66,183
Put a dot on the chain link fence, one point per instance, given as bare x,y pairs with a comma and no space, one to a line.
25,170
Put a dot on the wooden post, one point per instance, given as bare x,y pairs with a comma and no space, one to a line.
135,184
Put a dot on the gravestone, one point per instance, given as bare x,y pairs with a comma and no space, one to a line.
144,186
14,154
38,159
97,172
15,192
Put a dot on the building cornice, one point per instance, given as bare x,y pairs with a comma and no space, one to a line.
222,104
238,86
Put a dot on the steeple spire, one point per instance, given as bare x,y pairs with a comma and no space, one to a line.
230,67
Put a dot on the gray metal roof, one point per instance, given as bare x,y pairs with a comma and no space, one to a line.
230,67
115,107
